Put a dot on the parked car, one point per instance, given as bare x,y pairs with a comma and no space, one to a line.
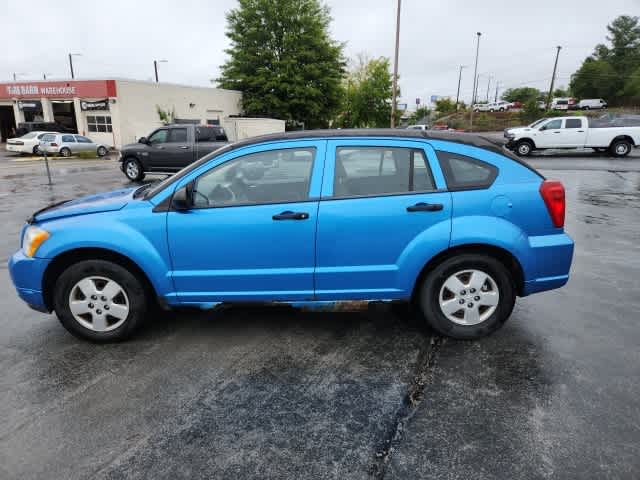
480,107
418,127
515,105
28,143
306,217
575,132
26,127
542,105
169,149
592,104
567,103
499,106
65,144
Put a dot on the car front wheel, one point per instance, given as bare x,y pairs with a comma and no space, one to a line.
467,296
524,148
99,301
133,170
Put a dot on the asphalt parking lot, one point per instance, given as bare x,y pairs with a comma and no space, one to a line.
275,393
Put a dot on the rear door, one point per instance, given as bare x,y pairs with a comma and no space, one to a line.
574,133
69,141
384,211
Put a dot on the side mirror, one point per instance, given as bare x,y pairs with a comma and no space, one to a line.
181,201
143,140
543,127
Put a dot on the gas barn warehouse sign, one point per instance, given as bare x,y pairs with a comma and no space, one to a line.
68,89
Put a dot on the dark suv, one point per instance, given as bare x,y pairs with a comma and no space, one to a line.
169,149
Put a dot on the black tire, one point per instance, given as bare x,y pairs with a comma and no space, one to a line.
524,148
428,295
620,148
585,108
65,152
132,286
133,169
36,150
102,151
501,109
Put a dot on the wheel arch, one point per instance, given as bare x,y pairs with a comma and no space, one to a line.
65,259
527,139
623,137
505,257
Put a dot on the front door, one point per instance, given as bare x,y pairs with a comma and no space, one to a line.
85,144
250,235
549,134
155,152
384,210
179,149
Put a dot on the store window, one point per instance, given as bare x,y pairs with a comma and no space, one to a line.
99,123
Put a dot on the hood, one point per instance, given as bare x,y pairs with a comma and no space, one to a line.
130,146
101,202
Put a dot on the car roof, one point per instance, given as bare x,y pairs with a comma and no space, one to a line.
472,139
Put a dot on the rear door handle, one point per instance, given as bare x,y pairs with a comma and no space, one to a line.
289,215
425,207
580,131
184,147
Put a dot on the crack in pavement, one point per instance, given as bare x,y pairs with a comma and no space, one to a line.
415,393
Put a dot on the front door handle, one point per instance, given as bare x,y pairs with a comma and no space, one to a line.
425,207
289,215
184,147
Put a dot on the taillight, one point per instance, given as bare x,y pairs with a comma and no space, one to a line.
552,193
17,142
53,144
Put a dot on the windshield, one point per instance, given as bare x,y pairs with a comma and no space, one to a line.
29,135
174,178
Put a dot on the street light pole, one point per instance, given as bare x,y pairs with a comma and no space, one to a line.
71,55
395,69
155,67
496,97
553,76
459,79
475,81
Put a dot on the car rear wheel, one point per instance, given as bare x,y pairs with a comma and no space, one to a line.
467,296
133,170
102,151
36,150
99,301
524,148
585,108
621,148
65,152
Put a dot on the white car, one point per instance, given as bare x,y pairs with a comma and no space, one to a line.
66,144
418,127
618,135
28,143
592,104
491,107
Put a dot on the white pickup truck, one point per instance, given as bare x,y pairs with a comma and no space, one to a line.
617,134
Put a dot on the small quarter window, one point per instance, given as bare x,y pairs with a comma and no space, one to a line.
462,172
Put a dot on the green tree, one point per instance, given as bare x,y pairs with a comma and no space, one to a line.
632,88
521,94
283,60
445,105
609,69
367,95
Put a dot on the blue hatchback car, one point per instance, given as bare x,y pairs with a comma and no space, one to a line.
452,223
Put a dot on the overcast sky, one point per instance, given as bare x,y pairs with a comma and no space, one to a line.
123,37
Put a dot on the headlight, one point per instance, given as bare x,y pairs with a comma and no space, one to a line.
33,238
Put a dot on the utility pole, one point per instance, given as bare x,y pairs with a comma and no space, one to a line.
475,81
553,77
71,55
395,69
496,97
488,85
459,79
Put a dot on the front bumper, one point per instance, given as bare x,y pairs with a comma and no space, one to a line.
26,275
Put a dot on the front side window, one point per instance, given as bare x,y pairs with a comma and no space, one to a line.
553,124
177,135
573,123
462,172
159,136
367,171
68,139
273,176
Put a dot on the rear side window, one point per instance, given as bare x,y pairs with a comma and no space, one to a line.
462,172
68,139
370,171
573,123
177,135
210,134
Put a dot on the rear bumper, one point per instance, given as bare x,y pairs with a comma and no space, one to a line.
549,263
26,275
